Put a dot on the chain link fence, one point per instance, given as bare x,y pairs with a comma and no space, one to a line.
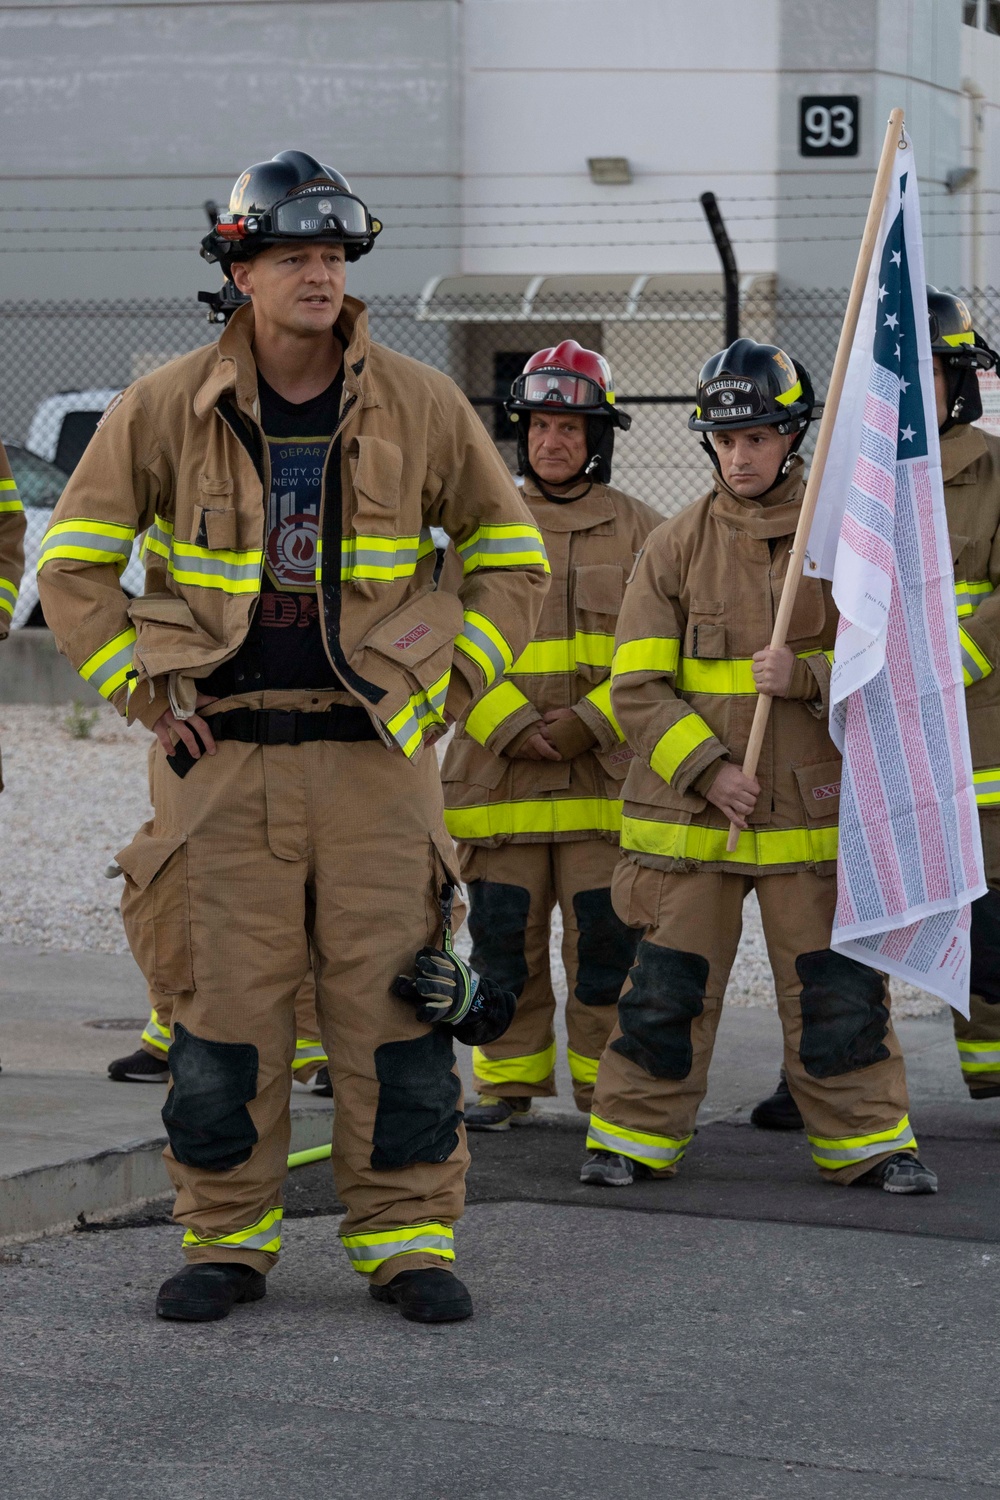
655,346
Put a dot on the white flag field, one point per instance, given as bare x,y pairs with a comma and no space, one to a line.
910,860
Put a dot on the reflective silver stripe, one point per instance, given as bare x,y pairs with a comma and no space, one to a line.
371,557
983,1054
90,541
114,664
264,1238
862,1153
499,545
487,646
414,1239
626,1147
7,590
187,562
970,664
307,1052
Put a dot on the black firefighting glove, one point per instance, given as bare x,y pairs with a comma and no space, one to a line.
447,992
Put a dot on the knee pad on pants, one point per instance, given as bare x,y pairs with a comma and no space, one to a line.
668,992
844,1017
498,921
208,1123
984,978
605,949
417,1117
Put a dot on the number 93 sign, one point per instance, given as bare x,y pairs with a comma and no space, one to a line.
829,125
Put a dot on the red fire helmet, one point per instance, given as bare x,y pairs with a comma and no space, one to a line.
569,378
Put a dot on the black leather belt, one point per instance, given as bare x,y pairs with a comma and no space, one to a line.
275,726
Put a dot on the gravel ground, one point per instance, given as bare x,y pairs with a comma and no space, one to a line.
70,804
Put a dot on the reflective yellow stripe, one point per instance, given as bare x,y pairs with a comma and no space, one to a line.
368,1251
423,710
307,1052
485,645
654,653
10,501
503,546
656,1151
959,338
987,785
600,697
772,846
382,558
534,1068
201,567
732,676
975,665
787,397
264,1235
969,596
491,710
586,648
838,1152
503,819
978,1057
155,1035
8,595
106,670
87,541
582,1069
674,747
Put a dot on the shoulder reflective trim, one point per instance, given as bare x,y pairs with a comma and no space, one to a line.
264,1235
491,710
654,653
654,1151
586,648
600,697
787,397
535,1067
503,546
486,645
201,567
505,819
674,747
784,846
382,558
987,785
87,541
582,1069
844,1151
969,596
155,1035
979,1057
729,676
107,668
307,1052
975,664
424,710
368,1251
8,595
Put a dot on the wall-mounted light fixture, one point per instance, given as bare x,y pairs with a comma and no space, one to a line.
609,171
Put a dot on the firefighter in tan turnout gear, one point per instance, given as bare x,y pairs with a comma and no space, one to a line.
970,460
12,527
533,777
691,654
293,658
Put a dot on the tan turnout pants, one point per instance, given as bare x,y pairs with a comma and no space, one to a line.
310,1055
258,856
842,1059
512,893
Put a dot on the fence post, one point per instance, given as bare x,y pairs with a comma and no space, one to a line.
730,274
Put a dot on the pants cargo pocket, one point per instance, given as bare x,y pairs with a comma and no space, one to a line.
417,1117
206,1116
844,1016
155,909
668,992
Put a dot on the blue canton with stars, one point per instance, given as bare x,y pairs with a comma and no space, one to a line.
895,348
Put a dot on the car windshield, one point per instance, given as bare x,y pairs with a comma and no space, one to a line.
39,483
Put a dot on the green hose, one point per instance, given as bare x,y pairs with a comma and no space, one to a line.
303,1158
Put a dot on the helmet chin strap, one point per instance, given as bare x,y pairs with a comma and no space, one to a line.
784,468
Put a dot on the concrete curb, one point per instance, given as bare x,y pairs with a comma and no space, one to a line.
49,1200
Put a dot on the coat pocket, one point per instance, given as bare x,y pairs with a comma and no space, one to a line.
705,635
168,637
819,788
213,522
377,549
468,762
598,589
156,908
409,655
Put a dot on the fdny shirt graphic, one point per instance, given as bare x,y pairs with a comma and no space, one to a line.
293,511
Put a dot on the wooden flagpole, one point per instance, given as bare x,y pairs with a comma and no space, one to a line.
880,192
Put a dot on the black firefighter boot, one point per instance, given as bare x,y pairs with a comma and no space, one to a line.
208,1290
426,1296
778,1111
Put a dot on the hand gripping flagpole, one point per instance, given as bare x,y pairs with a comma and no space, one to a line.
893,136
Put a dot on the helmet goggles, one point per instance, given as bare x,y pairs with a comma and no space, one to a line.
555,387
313,213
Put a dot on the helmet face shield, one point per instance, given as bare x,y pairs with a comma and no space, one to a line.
559,388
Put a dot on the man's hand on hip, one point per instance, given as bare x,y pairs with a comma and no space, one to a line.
168,724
